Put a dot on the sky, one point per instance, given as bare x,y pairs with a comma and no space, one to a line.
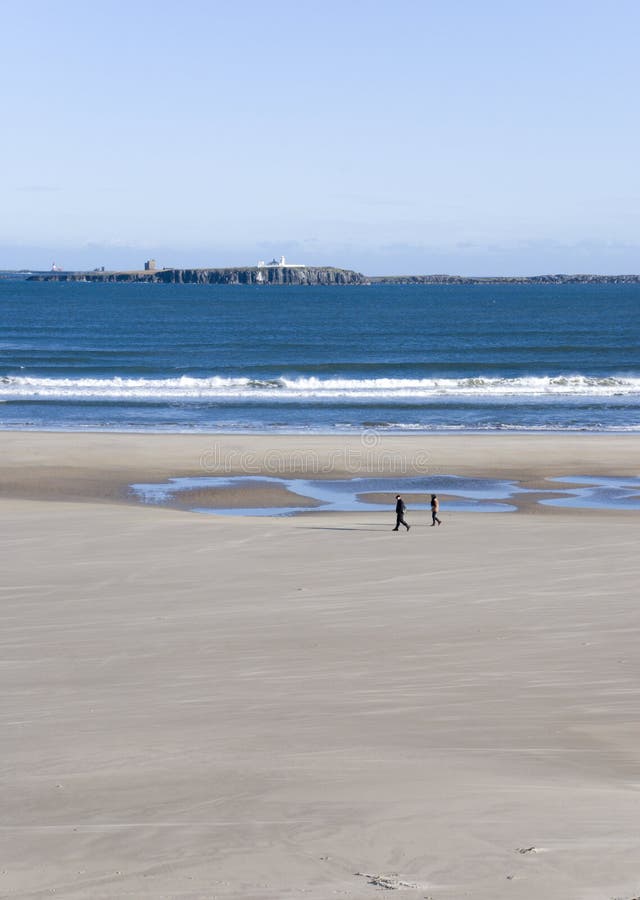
414,136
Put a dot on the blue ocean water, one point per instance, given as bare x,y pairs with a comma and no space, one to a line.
391,357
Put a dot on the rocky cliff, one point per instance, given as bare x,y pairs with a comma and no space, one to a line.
252,275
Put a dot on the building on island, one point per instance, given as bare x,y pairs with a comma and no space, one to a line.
150,265
279,264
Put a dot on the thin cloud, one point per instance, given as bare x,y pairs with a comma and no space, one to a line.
369,200
38,188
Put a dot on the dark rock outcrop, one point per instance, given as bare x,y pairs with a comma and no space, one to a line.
504,279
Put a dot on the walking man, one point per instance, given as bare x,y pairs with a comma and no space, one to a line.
435,509
400,511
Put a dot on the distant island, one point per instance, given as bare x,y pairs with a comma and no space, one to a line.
313,275
280,271
232,275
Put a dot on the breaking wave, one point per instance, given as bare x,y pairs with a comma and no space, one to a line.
285,388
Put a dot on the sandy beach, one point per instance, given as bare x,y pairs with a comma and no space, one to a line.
223,707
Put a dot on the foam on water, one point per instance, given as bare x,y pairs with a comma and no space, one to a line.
393,357
285,388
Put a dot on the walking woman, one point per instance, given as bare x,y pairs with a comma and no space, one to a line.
435,509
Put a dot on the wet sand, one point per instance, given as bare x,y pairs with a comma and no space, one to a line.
102,466
258,496
199,707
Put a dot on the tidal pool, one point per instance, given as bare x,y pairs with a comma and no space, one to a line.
457,493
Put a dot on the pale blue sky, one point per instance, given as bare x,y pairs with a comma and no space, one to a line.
488,137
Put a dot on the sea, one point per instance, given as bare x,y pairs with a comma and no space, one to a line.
393,358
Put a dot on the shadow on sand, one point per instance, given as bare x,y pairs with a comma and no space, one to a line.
366,527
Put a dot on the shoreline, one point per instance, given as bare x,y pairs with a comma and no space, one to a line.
353,431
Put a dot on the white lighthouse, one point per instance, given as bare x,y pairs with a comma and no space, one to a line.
280,263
